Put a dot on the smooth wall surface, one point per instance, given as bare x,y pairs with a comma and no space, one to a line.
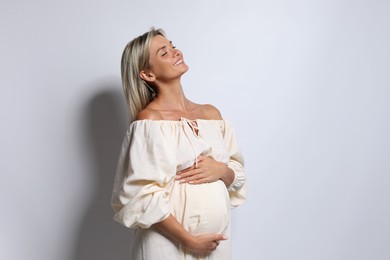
306,84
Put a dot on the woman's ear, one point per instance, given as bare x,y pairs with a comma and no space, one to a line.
147,76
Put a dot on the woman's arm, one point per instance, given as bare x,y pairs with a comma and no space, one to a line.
202,244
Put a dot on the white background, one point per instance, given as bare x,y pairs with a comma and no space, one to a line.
305,83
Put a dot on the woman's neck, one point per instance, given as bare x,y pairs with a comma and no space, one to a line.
171,97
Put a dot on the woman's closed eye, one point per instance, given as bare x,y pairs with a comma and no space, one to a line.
166,52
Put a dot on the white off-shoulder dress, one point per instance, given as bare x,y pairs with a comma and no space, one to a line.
146,191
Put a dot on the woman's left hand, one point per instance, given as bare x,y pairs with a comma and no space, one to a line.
208,170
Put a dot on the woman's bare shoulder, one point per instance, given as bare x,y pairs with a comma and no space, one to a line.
210,112
149,114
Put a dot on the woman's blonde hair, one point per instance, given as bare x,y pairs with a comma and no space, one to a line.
135,58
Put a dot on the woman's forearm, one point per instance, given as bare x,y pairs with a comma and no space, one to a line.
173,229
228,176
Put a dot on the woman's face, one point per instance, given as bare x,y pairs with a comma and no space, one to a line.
166,61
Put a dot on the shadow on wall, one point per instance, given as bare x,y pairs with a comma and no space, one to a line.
100,237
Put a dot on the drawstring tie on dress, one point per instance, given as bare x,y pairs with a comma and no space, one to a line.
195,130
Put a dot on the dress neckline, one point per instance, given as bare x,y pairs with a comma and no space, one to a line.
176,121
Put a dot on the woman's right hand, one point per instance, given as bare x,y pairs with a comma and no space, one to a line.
206,170
204,244
200,244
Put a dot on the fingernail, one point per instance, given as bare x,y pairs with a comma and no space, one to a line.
225,237
178,177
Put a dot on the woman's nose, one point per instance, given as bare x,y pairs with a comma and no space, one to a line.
175,52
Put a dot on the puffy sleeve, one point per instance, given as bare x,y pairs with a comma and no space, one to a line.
237,190
144,172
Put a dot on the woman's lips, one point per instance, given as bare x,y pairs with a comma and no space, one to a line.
178,62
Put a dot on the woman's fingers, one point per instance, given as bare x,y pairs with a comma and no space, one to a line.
188,173
201,158
219,237
195,176
206,243
207,171
194,179
187,169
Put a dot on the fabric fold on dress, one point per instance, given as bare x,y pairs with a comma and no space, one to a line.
145,171
237,190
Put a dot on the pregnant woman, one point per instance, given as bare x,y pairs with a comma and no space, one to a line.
180,170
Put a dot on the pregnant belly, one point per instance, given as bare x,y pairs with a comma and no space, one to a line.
207,208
